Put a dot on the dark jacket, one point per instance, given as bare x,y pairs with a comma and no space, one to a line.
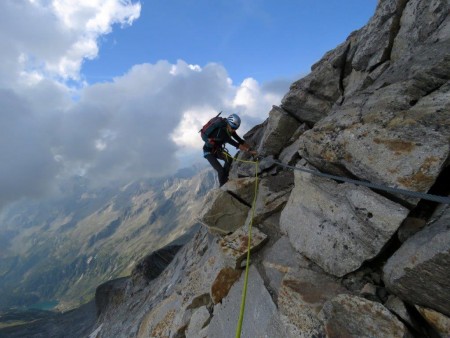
218,137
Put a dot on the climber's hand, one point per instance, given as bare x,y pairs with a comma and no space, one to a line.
244,147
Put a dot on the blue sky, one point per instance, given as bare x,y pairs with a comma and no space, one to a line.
264,40
118,89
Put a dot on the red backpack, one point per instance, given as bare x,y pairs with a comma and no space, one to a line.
212,124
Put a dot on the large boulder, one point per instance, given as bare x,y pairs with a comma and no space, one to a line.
235,246
419,271
338,226
302,295
280,127
351,316
223,213
242,188
400,157
311,98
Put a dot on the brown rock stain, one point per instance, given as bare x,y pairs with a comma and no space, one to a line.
348,157
333,329
278,267
329,156
393,171
223,283
397,146
160,328
309,292
420,179
211,260
401,121
243,244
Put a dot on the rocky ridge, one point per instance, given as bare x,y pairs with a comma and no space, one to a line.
329,259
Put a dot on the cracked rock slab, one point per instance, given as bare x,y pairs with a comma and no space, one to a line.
234,246
418,272
302,294
338,226
223,213
261,315
351,316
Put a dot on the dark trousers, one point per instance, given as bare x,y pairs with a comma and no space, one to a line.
222,171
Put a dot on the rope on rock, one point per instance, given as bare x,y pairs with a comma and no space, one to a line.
429,197
247,265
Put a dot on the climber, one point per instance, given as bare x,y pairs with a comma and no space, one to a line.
216,133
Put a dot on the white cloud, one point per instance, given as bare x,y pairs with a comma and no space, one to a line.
140,124
246,94
186,135
54,37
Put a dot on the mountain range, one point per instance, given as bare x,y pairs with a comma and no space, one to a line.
56,251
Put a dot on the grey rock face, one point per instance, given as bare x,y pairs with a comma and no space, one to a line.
391,127
374,41
279,130
338,226
280,259
110,293
223,213
420,21
242,188
312,97
273,193
351,316
199,320
379,146
302,295
289,155
261,315
152,265
397,306
419,271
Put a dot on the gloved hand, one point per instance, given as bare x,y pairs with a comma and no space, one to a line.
245,147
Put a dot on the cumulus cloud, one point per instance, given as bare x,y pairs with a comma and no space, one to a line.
52,38
137,125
